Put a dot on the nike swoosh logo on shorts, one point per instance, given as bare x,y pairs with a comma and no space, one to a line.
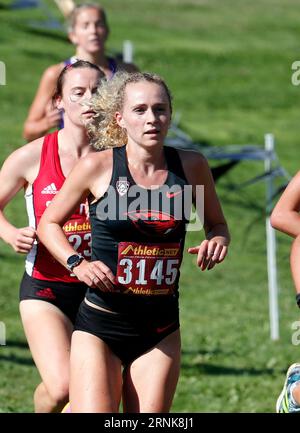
164,328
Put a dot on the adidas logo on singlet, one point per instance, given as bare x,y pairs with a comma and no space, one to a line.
50,189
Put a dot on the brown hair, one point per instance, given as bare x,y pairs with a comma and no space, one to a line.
77,65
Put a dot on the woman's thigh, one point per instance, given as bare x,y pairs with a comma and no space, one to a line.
48,332
96,380
150,381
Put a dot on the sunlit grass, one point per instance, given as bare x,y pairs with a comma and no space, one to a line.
229,68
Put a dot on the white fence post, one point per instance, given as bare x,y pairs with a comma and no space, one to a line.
127,52
2,74
271,243
2,334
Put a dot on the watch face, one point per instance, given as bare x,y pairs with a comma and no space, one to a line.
73,260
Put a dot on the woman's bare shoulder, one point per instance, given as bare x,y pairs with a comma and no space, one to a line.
24,161
192,158
100,160
29,153
195,167
52,72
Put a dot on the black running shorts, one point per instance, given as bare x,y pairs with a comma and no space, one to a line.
128,336
65,296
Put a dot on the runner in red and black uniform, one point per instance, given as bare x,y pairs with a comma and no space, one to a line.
140,201
44,276
49,294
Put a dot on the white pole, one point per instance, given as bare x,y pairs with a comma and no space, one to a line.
127,52
271,244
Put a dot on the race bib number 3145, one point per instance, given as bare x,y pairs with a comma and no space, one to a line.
148,269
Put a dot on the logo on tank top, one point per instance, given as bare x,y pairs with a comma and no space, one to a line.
50,189
173,194
152,222
122,187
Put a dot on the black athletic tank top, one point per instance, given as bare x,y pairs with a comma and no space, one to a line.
139,234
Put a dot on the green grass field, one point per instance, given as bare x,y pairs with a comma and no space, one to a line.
228,64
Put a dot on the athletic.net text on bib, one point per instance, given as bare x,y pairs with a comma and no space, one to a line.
148,269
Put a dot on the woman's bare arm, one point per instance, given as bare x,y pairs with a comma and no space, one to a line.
19,169
214,248
42,115
285,216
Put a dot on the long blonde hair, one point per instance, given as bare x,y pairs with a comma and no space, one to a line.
103,130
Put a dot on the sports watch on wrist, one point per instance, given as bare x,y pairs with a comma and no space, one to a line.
74,261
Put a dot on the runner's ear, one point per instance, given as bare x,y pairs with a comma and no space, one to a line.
119,119
73,38
58,103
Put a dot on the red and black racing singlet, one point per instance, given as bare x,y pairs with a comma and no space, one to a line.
139,234
39,262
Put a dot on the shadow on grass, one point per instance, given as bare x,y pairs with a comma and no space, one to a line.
51,58
13,358
211,369
242,202
44,33
16,359
17,344
194,352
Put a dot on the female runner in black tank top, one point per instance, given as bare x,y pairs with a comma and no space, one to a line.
140,197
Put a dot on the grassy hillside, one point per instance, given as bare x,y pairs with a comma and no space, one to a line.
228,64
